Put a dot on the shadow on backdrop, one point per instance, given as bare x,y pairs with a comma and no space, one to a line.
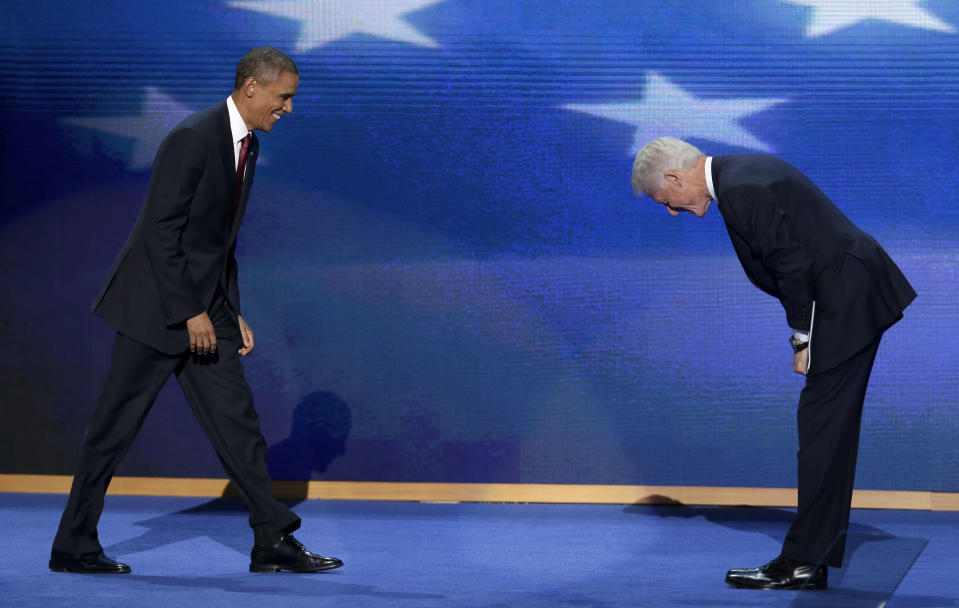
318,431
874,565
320,425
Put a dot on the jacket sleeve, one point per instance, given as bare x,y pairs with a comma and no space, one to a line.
232,277
782,253
176,172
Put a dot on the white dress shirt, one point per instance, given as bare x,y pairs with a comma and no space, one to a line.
709,178
237,127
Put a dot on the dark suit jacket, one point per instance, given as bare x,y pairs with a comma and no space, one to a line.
182,245
795,245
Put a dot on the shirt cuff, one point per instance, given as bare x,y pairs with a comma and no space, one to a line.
801,336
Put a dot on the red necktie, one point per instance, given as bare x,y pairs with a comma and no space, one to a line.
241,170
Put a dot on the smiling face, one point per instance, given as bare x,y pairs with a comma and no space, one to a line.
263,105
680,194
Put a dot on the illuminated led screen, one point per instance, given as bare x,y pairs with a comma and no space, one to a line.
448,275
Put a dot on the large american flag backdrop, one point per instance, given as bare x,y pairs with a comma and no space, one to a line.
447,272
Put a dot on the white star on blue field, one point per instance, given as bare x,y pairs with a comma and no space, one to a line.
157,115
829,16
323,21
668,110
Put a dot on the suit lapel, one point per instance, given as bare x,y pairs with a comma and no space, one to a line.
729,216
227,154
726,206
752,266
252,155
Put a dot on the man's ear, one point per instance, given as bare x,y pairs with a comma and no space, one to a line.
674,178
249,86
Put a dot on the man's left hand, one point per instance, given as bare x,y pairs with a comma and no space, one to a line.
801,361
247,334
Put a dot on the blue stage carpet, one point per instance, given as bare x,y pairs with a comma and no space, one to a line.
194,552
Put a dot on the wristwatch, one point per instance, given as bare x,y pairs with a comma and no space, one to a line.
798,345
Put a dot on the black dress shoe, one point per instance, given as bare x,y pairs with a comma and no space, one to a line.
781,573
288,554
86,563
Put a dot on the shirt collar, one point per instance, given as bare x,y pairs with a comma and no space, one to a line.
709,178
237,126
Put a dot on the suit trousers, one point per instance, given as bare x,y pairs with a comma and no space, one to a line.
829,415
220,398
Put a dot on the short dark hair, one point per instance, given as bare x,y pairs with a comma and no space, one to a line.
264,63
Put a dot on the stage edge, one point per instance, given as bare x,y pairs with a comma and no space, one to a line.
490,492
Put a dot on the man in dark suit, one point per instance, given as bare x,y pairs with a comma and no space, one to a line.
840,291
172,297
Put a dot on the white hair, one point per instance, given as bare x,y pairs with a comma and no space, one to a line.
659,156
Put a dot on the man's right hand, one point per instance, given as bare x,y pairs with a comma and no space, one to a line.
202,336
801,361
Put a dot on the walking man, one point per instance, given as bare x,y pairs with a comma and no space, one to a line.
172,297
